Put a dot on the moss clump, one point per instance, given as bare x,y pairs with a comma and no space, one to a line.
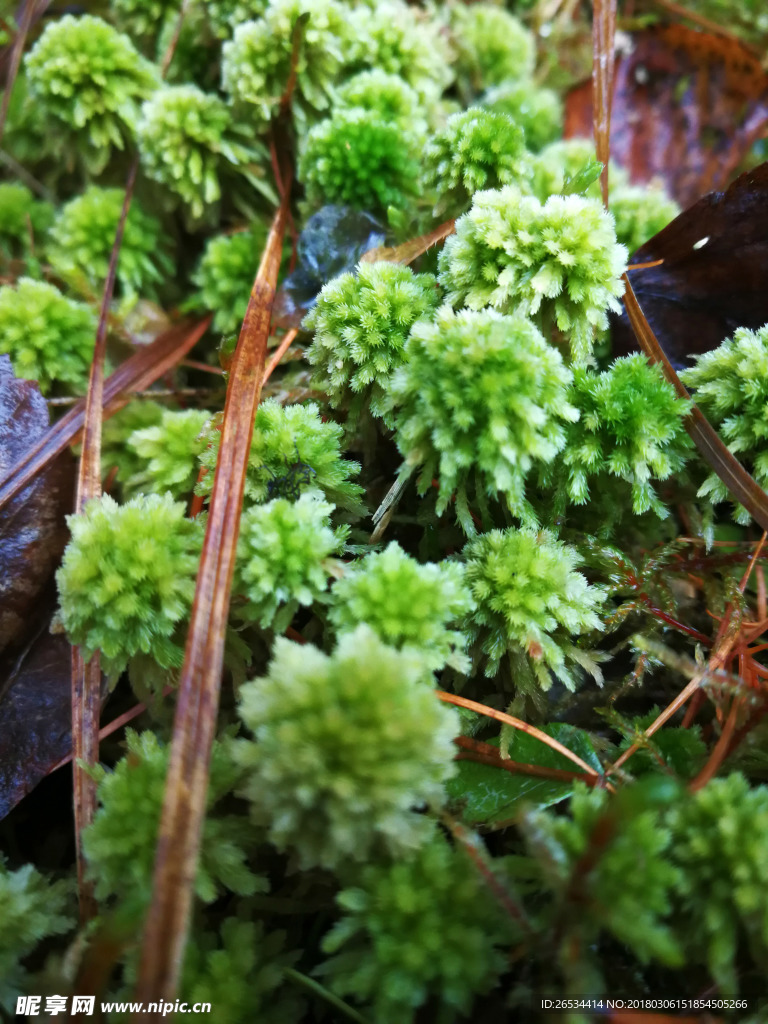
361,322
530,601
127,579
345,747
48,337
480,399
225,276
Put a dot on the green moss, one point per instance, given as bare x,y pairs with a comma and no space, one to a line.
226,273
492,46
345,747
48,337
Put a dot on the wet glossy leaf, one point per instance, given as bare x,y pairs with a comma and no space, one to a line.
492,796
713,278
32,527
332,243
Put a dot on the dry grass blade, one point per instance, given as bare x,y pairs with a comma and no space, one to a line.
486,753
198,698
412,249
86,676
135,374
742,486
516,723
603,32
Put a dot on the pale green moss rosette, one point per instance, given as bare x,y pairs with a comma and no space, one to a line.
530,602
120,843
491,46
398,39
387,96
631,427
225,276
361,322
48,337
185,138
284,558
166,454
128,578
406,604
256,62
731,388
558,262
719,837
292,451
83,236
477,149
537,110
481,399
88,77
425,926
33,909
346,747
356,159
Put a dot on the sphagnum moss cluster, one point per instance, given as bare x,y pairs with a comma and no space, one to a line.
524,480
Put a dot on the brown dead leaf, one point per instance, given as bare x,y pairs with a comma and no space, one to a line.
687,108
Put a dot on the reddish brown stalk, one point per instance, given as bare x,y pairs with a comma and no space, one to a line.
279,352
30,10
486,753
516,723
727,637
198,696
86,676
135,374
742,486
603,32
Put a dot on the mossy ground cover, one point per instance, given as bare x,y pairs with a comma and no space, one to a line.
478,554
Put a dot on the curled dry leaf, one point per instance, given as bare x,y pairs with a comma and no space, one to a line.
687,108
33,532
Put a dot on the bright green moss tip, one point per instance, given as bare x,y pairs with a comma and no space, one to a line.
631,427
425,926
492,46
166,454
83,236
477,149
120,843
360,323
480,400
256,62
283,558
558,262
398,39
48,337
346,747
731,387
355,159
89,77
406,604
530,601
388,97
226,273
292,451
184,137
127,579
